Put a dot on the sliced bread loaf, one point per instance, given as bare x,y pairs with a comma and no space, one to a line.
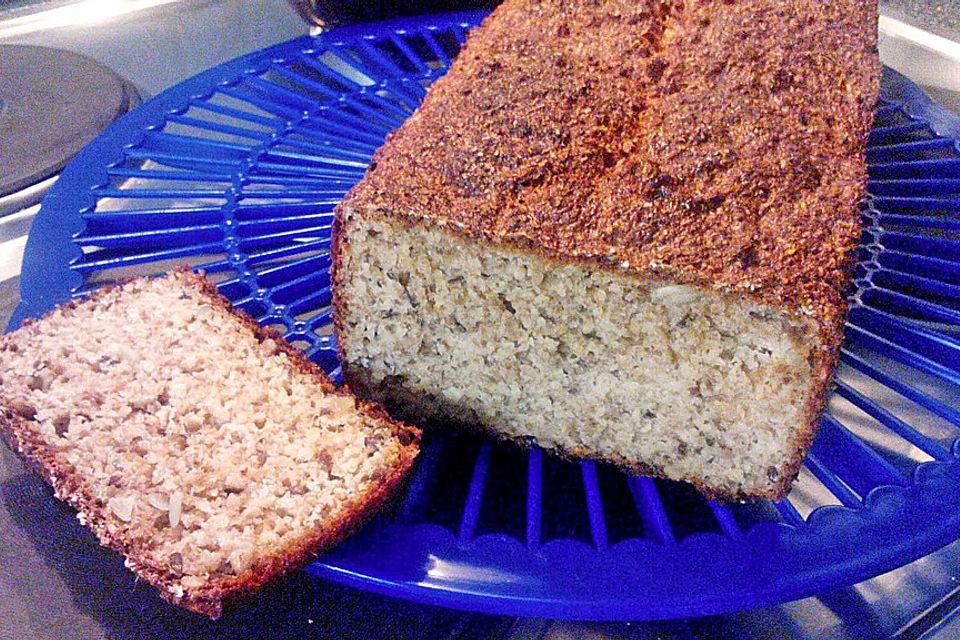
205,449
624,229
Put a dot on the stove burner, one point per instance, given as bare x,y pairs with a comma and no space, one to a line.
52,103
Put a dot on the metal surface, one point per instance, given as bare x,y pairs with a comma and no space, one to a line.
921,39
935,17
153,43
54,103
25,198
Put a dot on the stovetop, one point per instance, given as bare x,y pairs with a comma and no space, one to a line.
46,593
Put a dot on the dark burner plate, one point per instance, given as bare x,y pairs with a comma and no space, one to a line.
52,103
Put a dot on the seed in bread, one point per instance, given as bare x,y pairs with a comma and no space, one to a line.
623,228
206,450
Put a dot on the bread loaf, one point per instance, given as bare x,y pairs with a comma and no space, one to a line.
624,230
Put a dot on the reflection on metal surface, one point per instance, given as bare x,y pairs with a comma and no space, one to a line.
13,239
25,197
924,39
930,60
75,14
933,618
157,47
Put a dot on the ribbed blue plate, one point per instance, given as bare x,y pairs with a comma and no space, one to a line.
237,171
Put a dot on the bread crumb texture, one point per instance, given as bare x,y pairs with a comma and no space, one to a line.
693,384
202,451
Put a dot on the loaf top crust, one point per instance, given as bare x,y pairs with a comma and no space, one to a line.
720,144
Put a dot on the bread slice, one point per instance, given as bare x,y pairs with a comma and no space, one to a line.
206,450
624,229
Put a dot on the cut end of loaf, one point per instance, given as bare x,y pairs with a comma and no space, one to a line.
653,375
208,451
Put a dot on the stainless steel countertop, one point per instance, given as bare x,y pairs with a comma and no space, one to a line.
921,39
55,581
940,17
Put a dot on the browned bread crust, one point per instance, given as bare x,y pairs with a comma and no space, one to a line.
645,135
210,598
719,144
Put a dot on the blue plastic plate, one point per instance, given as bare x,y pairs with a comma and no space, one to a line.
237,171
